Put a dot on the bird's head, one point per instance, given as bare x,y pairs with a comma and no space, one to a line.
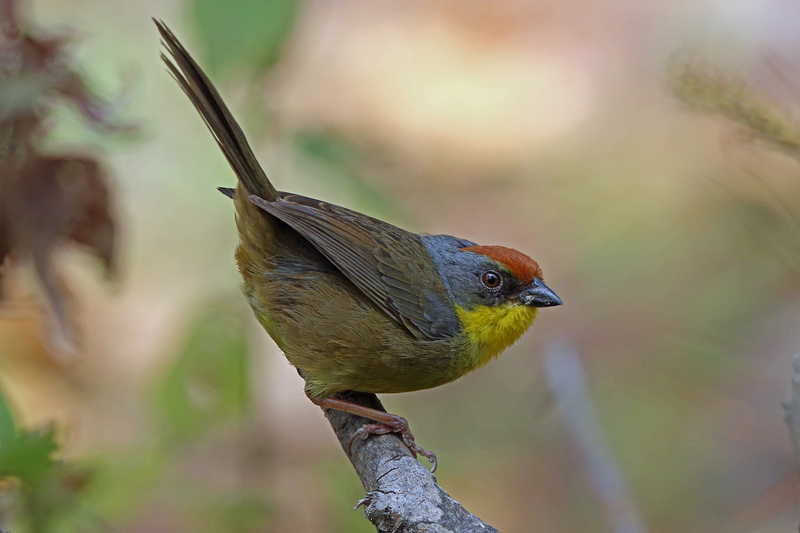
497,292
501,277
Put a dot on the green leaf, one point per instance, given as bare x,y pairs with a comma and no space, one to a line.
239,33
27,456
8,429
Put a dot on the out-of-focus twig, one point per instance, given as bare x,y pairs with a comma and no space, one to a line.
566,378
792,409
402,495
706,88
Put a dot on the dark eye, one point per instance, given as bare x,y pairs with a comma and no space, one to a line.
491,280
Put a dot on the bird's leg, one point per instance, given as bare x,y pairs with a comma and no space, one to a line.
387,423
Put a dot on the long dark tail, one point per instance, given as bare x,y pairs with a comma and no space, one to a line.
218,118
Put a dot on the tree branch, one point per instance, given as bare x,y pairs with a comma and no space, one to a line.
791,409
402,495
567,381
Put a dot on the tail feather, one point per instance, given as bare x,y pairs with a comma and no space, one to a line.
227,191
218,118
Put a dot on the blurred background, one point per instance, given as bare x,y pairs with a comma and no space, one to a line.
664,211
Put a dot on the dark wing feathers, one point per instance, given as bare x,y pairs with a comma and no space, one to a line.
389,265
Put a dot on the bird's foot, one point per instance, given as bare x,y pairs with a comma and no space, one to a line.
387,423
396,424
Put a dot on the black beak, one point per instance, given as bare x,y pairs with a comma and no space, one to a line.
539,295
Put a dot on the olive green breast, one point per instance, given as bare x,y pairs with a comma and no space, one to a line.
342,341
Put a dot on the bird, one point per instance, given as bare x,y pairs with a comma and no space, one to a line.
356,303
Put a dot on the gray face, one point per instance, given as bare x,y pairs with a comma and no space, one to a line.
471,278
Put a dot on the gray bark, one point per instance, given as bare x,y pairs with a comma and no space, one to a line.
402,495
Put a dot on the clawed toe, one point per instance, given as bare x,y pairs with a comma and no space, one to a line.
366,430
400,425
415,449
408,440
387,423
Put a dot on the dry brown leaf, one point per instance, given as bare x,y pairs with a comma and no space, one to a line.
47,200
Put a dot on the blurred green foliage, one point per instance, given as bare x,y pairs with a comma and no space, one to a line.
43,490
342,494
242,34
340,161
200,406
207,384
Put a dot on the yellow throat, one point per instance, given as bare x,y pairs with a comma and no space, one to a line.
490,330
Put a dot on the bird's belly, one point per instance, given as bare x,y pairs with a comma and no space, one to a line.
342,341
